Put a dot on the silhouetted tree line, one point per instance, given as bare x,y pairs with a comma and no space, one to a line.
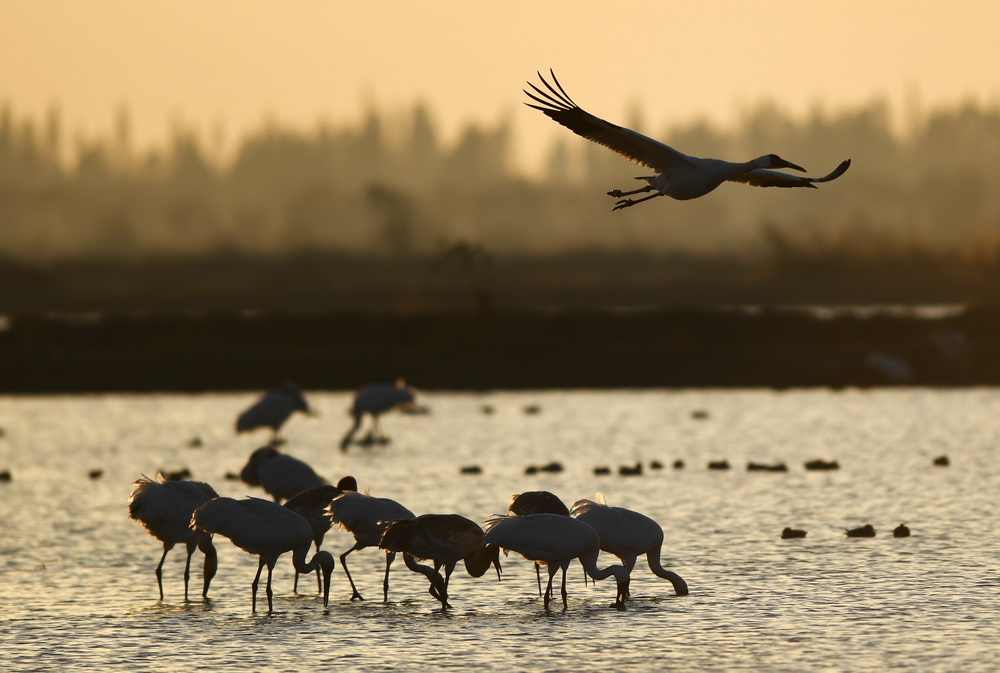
391,187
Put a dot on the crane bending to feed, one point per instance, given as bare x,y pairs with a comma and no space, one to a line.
678,175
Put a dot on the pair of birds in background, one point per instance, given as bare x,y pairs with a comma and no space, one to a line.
678,175
275,407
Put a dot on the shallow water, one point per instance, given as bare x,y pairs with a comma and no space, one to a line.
77,589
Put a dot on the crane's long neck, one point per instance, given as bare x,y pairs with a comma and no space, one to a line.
589,561
680,586
211,559
433,576
321,559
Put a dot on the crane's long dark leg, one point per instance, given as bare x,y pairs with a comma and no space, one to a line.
628,203
253,586
167,546
187,567
389,558
617,193
449,568
564,584
548,588
538,576
629,564
270,607
343,563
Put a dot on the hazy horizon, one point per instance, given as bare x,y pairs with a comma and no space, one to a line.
224,69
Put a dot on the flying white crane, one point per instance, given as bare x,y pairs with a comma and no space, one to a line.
280,475
272,410
375,399
265,528
444,539
554,541
311,504
366,517
678,175
164,508
627,534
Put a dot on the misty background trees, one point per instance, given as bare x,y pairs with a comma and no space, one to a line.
390,189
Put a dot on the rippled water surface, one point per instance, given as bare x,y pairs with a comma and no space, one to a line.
77,589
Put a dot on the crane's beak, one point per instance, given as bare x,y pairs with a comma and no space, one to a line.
794,167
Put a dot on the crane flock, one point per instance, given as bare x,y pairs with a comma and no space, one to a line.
191,512
539,525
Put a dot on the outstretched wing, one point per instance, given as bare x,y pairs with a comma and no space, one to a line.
643,150
761,177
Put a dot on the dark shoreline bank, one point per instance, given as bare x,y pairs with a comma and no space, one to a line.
680,348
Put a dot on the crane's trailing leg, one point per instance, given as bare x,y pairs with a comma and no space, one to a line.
627,203
617,193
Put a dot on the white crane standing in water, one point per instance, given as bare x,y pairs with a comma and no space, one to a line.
272,410
375,399
164,508
444,539
627,534
537,502
678,175
366,517
554,540
265,528
280,475
311,504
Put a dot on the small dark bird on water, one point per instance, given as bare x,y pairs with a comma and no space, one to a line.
864,531
902,530
791,533
820,464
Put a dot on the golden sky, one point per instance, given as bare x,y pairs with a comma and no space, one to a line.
233,63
